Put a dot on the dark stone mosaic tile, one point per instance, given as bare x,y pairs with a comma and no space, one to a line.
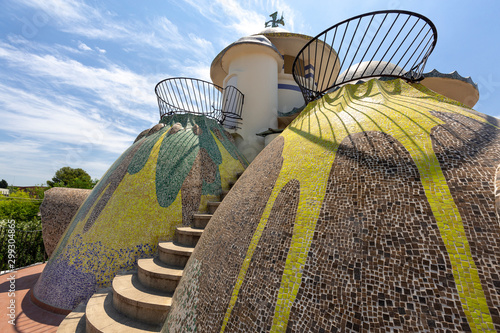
59,206
399,230
469,151
203,170
254,309
377,261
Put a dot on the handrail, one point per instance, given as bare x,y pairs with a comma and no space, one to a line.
388,43
186,95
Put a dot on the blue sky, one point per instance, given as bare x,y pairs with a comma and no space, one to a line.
77,76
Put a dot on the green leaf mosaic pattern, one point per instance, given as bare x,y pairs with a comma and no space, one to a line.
137,202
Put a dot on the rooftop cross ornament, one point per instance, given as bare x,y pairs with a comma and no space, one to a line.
274,22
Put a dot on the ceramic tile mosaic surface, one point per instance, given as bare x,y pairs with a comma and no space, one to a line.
59,206
373,211
167,175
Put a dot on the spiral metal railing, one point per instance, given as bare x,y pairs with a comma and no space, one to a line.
390,43
186,95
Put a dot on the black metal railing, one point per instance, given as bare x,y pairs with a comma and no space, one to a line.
186,95
27,245
390,43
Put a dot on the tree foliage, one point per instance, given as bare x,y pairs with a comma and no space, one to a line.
20,209
19,206
23,208
4,184
69,177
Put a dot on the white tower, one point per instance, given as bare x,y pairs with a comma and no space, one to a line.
260,66
251,64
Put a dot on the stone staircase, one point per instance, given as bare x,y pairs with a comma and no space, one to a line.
140,302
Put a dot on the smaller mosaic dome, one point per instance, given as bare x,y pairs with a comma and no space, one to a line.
369,69
271,30
255,39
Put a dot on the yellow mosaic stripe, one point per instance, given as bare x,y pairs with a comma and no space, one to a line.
298,164
147,216
79,228
229,166
450,224
119,225
311,141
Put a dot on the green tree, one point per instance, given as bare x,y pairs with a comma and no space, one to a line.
39,191
3,184
69,177
20,207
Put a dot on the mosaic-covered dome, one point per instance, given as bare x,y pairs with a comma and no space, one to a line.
370,69
373,211
167,175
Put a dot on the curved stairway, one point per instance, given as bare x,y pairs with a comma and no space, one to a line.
140,302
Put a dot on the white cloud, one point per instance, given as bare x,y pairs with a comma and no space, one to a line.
189,68
83,47
28,162
231,14
76,17
54,131
112,86
68,12
20,156
30,115
34,47
95,118
26,147
246,18
59,110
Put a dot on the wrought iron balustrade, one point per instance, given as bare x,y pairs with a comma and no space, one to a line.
186,95
390,43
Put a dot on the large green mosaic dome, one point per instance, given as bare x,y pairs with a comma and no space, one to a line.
167,175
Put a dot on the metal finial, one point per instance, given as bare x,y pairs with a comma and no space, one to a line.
274,22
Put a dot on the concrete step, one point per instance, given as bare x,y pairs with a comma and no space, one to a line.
174,254
230,184
200,221
74,322
154,274
188,236
102,317
212,206
139,302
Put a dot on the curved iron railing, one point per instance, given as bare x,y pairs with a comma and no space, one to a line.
391,43
185,95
